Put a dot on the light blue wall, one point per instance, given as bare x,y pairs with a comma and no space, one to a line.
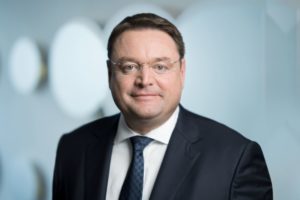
257,44
30,125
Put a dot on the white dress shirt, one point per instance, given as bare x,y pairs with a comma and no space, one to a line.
153,156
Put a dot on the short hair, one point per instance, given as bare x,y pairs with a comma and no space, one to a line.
146,21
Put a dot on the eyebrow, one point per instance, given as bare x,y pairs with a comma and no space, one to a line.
131,59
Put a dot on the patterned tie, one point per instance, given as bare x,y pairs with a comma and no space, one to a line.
133,185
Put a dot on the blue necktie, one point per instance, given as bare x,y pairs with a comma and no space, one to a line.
133,185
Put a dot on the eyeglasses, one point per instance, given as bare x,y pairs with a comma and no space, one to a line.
131,67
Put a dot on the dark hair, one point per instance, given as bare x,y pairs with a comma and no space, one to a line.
146,21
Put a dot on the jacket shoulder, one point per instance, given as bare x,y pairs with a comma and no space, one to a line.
87,133
212,130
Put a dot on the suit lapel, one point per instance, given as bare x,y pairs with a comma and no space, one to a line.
98,155
182,153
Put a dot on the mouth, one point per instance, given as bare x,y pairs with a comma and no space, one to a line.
145,96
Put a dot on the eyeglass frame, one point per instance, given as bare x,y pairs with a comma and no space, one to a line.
139,66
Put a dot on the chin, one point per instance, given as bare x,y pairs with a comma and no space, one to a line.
142,113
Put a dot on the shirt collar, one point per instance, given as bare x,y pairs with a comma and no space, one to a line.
161,134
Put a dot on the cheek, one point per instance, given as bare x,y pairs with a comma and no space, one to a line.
172,86
119,86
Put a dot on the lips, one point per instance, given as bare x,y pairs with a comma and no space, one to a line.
145,96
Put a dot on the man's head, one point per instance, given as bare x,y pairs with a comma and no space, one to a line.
146,70
146,21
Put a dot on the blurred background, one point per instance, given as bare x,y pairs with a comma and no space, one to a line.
243,69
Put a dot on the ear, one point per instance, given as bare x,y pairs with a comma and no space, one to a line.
182,70
109,72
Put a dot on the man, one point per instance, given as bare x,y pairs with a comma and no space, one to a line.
155,149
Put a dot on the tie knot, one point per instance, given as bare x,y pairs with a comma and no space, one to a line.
140,142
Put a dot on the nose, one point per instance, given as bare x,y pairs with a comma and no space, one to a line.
144,77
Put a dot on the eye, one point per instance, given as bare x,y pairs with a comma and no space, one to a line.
127,68
160,68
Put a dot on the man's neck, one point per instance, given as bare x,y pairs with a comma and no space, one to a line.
144,126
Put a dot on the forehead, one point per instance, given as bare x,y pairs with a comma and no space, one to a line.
145,42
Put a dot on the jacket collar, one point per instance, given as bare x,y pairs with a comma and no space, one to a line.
98,155
182,153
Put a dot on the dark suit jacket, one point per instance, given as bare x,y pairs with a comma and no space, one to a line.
204,160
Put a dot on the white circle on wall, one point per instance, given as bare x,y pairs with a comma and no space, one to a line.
78,73
26,65
131,10
224,53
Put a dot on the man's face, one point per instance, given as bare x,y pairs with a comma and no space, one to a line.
146,94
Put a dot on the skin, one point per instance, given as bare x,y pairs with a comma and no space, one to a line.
146,99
